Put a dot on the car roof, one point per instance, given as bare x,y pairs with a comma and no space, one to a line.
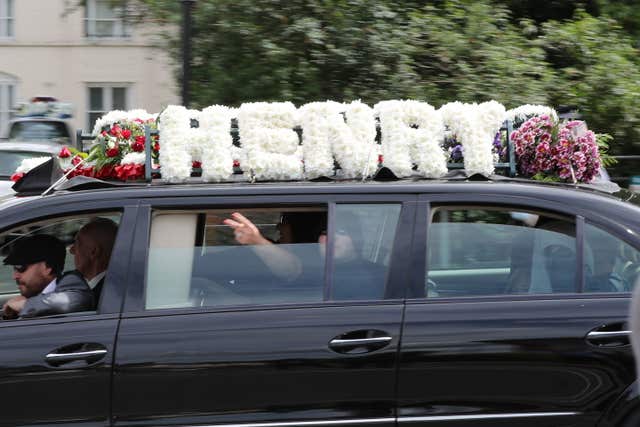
578,196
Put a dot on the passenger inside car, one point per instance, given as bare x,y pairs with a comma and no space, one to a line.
91,252
38,261
354,277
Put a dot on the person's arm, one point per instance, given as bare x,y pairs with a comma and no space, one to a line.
72,294
281,262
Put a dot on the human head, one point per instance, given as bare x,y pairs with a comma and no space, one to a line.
37,260
92,246
343,247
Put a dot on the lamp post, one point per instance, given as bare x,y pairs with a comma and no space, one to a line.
187,5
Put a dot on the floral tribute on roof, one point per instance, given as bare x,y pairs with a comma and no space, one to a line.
278,141
549,150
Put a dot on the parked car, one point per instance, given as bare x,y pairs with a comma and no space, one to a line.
485,304
13,153
40,130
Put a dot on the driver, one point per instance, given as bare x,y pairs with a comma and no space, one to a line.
38,261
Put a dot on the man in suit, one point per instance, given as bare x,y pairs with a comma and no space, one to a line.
38,261
91,251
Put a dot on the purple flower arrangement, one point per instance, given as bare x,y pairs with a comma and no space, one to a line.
546,150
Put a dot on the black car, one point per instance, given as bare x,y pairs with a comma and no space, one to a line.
426,303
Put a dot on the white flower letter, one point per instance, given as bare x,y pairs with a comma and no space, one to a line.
412,133
475,126
325,135
182,144
270,144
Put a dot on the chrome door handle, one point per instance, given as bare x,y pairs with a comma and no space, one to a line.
80,355
341,343
594,335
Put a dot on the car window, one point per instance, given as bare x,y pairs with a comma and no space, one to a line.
40,130
494,251
197,259
64,229
616,264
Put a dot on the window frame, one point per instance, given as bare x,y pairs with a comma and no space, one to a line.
8,21
528,203
118,279
396,276
107,99
8,93
120,28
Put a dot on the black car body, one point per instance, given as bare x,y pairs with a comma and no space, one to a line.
453,339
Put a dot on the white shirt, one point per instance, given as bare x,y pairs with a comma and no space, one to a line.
51,287
93,282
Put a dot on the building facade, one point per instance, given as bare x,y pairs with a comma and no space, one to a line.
88,56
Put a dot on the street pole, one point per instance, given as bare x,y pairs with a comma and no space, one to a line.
187,5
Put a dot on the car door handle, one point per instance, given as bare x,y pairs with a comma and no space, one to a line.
341,343
360,341
80,355
603,335
87,352
614,335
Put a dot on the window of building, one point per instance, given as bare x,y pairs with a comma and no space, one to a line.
6,18
102,19
103,98
7,102
288,266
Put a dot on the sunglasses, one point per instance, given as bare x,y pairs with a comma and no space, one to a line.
20,268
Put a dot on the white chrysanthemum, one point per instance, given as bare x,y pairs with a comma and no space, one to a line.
119,116
27,164
133,158
475,127
271,145
527,111
412,133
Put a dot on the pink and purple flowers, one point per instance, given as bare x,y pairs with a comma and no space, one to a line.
545,149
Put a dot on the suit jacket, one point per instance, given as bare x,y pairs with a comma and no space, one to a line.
72,294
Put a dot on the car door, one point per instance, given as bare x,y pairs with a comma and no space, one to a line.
236,346
57,369
515,325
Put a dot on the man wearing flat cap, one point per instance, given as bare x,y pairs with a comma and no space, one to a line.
38,261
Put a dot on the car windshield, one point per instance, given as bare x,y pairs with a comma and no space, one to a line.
40,131
10,160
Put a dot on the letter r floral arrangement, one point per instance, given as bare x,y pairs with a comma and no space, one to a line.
277,141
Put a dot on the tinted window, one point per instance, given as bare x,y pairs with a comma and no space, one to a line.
493,251
40,131
63,228
615,266
198,259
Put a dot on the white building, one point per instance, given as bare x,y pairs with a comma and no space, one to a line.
87,56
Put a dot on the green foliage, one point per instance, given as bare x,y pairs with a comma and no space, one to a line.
604,144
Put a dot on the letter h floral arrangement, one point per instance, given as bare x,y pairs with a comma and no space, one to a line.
277,141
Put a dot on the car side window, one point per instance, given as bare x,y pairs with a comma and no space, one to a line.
99,231
205,259
364,237
616,264
494,250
